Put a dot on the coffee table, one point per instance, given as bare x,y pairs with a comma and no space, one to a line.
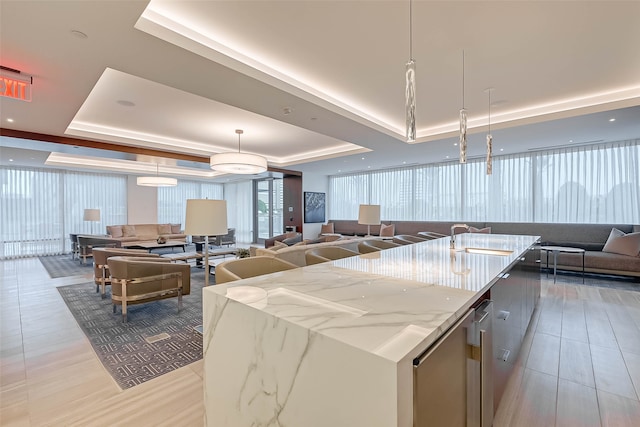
556,250
152,244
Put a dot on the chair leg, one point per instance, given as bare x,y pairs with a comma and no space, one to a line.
114,309
124,301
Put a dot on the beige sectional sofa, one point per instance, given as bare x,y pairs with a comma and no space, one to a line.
296,254
145,232
590,237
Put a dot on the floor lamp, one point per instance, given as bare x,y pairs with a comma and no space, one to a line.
206,218
369,215
92,215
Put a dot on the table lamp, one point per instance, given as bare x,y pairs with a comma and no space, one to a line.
369,215
206,218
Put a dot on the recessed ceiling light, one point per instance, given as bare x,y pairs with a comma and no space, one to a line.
287,111
11,160
455,143
363,158
502,149
447,157
10,120
368,167
125,103
571,140
79,34
612,120
404,163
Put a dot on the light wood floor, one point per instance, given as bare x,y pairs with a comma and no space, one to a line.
580,364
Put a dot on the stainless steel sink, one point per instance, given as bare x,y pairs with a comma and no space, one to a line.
487,251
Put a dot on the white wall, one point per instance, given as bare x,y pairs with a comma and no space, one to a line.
142,203
319,183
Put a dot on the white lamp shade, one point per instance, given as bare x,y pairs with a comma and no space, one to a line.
239,163
206,217
156,181
91,215
369,215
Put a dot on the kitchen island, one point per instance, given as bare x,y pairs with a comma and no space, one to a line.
333,344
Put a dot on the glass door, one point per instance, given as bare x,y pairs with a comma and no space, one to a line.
269,208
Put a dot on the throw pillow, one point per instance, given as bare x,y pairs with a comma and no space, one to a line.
387,230
114,230
175,228
292,240
129,230
486,230
327,228
623,244
164,229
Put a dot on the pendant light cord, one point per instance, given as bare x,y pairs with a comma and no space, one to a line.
411,29
489,111
463,79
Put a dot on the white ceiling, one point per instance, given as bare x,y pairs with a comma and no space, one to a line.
197,70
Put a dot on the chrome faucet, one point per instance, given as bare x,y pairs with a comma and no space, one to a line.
452,244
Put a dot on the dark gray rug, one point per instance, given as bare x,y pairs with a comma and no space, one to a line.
123,347
64,266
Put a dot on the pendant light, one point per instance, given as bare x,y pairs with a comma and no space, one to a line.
238,163
463,122
489,140
156,181
410,87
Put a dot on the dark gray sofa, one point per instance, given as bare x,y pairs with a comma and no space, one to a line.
590,237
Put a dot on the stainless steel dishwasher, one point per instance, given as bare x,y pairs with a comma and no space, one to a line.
453,379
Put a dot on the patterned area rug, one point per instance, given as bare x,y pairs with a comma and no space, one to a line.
156,340
64,266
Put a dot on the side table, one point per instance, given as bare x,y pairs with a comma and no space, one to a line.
556,250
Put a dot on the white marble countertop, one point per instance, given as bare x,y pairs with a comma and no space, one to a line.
393,303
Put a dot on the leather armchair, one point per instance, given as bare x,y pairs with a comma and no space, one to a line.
101,274
327,253
243,268
136,280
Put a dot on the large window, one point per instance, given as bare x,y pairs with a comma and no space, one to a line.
590,184
39,208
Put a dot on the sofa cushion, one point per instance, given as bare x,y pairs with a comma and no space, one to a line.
486,230
129,230
293,240
114,230
623,244
176,228
164,229
387,230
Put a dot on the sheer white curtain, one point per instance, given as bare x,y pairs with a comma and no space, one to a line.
346,194
437,196
505,195
590,184
41,207
239,197
172,201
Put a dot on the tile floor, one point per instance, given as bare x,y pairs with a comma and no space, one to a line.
579,366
